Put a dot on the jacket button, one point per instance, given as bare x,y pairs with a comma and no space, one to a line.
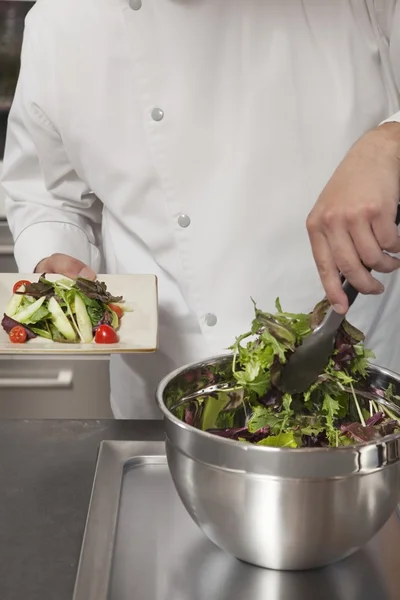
184,220
135,4
211,320
157,114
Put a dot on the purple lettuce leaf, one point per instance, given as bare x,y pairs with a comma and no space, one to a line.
106,319
354,335
357,432
234,433
190,414
96,290
319,312
376,419
38,289
8,323
345,352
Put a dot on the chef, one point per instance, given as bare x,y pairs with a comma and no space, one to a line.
191,139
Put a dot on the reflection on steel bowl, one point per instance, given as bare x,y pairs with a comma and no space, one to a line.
276,507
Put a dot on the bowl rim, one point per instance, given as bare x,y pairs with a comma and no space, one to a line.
361,448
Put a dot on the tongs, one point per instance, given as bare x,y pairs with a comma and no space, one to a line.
309,360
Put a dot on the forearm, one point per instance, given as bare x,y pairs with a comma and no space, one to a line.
44,239
379,146
390,130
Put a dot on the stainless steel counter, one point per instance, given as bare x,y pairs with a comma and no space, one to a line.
46,475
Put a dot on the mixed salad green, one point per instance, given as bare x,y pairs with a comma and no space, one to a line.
66,310
341,408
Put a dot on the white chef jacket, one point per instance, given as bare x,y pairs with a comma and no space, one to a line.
190,139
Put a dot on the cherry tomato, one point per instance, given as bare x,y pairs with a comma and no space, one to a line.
117,309
106,335
20,284
17,335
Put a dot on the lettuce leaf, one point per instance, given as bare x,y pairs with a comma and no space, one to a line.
283,440
8,323
96,290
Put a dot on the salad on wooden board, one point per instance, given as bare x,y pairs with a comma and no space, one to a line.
341,408
67,311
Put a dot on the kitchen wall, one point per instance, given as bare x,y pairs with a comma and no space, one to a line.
50,386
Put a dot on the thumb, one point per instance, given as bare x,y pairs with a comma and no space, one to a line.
62,264
87,273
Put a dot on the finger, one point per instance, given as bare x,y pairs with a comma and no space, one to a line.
328,272
370,251
87,273
387,234
348,262
66,265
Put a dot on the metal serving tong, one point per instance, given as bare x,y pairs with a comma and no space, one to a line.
310,359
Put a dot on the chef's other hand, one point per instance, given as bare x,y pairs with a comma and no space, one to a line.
63,264
353,221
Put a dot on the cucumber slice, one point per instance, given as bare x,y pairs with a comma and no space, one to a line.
26,313
60,320
115,320
83,320
13,305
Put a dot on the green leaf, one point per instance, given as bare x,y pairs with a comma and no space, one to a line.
225,420
343,400
95,314
278,305
64,283
252,370
262,417
341,376
312,430
278,348
279,330
259,356
286,403
254,361
331,408
58,337
26,301
212,408
283,440
311,390
41,314
43,331
343,440
94,308
259,385
361,362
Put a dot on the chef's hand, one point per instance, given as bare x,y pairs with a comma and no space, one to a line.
63,264
353,221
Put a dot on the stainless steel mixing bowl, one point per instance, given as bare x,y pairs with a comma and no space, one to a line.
279,508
